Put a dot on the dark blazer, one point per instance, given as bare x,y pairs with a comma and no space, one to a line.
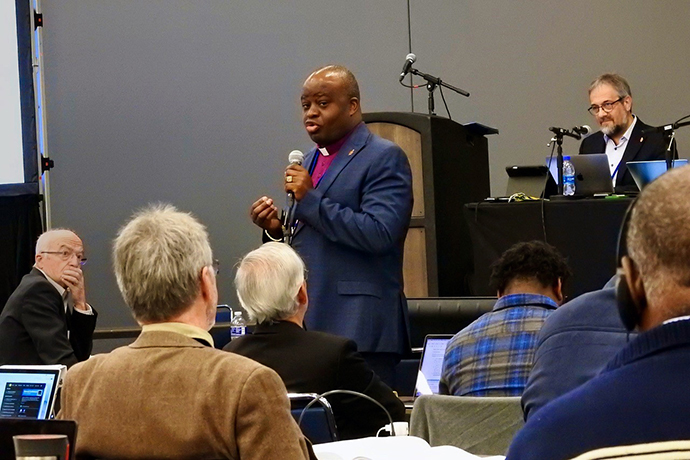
574,345
315,362
351,235
641,147
34,325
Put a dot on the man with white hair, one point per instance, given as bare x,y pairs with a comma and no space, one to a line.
46,320
170,394
635,408
271,285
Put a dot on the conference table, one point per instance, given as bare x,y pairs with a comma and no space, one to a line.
585,231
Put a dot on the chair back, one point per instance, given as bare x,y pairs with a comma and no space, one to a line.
318,422
221,337
15,426
481,425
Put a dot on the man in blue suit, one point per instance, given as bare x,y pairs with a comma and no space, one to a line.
354,201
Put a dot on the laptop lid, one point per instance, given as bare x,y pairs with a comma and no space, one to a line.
29,391
592,173
431,363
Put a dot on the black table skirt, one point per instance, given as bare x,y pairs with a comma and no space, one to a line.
585,231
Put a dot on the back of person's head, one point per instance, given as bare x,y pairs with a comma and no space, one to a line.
534,261
658,238
158,257
268,280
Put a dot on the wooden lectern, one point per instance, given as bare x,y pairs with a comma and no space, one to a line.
450,167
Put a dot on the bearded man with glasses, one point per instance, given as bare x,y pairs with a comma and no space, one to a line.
47,320
621,136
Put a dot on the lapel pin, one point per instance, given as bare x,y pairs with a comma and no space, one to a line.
351,152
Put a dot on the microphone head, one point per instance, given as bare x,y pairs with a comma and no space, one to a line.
411,57
296,157
583,130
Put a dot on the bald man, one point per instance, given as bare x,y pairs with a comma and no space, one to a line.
354,201
46,319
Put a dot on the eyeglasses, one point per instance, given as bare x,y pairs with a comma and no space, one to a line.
606,107
66,255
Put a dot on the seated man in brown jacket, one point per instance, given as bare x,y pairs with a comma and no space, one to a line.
170,394
271,286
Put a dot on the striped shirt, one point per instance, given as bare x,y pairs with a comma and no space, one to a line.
493,356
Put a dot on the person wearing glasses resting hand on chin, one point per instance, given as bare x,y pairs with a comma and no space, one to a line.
620,136
47,320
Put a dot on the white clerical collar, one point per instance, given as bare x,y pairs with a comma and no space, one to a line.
680,318
323,151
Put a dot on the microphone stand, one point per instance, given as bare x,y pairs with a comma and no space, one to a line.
559,133
431,84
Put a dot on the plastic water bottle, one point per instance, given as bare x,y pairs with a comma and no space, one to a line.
239,326
568,177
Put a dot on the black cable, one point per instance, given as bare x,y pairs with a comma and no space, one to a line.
543,193
349,392
685,117
409,49
440,89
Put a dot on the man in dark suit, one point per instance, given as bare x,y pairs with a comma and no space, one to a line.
354,201
271,287
46,319
620,137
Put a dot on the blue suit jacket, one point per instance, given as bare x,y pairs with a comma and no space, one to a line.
574,345
351,232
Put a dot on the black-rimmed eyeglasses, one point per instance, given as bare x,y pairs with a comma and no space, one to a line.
606,107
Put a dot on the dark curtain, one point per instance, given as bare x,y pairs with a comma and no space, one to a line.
20,226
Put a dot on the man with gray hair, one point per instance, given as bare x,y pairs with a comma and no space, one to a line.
621,136
47,320
638,400
271,285
170,394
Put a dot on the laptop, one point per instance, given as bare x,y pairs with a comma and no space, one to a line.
29,391
592,173
431,363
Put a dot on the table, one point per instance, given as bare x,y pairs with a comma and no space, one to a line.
585,231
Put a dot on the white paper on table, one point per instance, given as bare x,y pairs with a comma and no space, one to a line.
392,448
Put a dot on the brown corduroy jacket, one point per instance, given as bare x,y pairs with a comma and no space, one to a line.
168,396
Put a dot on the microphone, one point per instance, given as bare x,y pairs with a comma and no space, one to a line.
409,60
583,130
295,158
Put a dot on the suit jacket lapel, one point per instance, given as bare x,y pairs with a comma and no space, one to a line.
634,146
358,139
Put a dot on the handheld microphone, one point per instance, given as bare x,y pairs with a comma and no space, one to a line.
409,60
295,158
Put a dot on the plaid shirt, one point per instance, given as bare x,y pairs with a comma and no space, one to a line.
493,356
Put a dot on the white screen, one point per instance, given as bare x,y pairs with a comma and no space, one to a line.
11,156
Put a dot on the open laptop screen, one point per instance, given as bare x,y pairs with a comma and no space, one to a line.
431,364
29,391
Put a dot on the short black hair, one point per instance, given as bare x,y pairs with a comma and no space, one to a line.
351,85
534,260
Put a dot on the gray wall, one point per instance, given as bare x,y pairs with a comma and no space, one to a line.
196,103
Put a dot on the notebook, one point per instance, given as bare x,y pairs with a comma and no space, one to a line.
592,173
431,363
29,391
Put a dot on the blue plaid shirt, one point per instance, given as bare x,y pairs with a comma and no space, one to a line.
493,356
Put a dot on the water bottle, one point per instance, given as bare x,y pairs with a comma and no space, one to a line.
568,177
239,326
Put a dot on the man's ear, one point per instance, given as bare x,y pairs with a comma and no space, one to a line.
558,291
302,296
207,283
354,106
627,103
634,280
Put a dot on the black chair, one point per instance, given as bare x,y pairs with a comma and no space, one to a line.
14,426
317,422
221,337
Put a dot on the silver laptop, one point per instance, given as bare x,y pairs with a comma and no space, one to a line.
29,391
592,173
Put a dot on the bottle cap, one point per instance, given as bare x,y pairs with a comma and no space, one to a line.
567,157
